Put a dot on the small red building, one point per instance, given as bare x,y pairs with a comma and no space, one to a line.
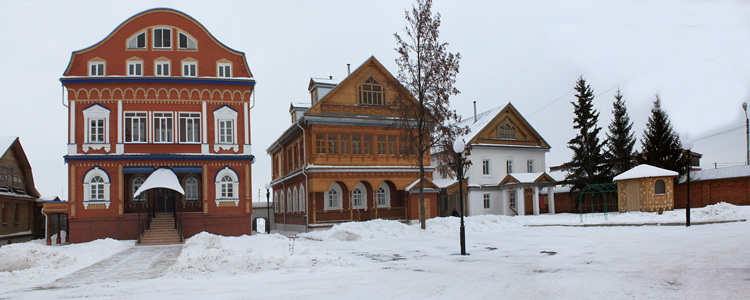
158,92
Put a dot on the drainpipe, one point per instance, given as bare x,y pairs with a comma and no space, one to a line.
304,166
283,185
348,69
62,95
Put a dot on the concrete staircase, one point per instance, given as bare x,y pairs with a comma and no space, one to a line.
162,231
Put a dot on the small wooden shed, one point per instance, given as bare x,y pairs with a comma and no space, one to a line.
645,188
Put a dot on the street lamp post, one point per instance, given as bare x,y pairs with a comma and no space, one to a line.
687,146
268,207
747,134
461,166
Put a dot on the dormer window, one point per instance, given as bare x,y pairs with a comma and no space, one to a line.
187,42
162,38
138,41
506,132
224,70
96,68
371,92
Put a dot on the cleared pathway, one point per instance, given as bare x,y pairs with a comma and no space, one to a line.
132,264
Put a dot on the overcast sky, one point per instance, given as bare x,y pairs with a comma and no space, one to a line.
694,54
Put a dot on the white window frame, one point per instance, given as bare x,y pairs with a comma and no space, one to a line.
224,70
512,199
529,166
133,66
361,196
136,185
276,202
289,203
295,200
101,68
160,118
87,187
192,189
509,166
130,116
223,195
135,40
302,199
96,112
222,116
188,119
386,194
160,66
336,189
486,201
187,71
168,41
486,167
189,39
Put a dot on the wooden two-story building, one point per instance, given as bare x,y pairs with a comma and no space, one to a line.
158,93
20,215
344,157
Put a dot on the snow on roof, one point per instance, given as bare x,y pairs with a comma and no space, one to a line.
301,104
644,171
326,80
161,178
444,182
526,177
711,174
5,142
482,119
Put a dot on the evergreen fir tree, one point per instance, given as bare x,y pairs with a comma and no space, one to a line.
661,144
620,139
587,166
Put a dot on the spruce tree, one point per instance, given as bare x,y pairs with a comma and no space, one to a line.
620,139
587,166
661,144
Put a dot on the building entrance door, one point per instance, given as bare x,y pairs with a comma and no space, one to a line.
165,200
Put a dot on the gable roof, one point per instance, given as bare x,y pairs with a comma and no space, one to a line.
493,116
644,171
526,178
427,184
12,143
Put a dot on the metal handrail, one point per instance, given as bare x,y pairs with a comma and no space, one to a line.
178,221
145,225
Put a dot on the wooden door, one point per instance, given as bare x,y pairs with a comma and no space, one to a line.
528,201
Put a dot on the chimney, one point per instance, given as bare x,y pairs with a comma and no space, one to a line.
330,77
348,69
475,111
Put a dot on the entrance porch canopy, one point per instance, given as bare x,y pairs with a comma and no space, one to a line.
161,178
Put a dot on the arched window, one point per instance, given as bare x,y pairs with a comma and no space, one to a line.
137,183
333,197
383,195
191,189
359,196
289,202
295,200
659,188
227,186
96,186
302,199
276,202
506,132
281,202
371,92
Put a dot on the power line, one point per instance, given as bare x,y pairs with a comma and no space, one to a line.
553,102
719,133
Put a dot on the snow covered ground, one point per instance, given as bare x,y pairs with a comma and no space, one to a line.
389,260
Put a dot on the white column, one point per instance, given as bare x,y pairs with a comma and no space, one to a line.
204,129
520,202
246,119
120,147
503,201
535,199
551,195
72,149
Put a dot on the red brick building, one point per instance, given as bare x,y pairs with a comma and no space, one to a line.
158,92
711,186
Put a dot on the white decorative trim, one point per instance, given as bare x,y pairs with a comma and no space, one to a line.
120,148
72,149
96,146
226,171
236,201
87,203
337,188
246,149
72,123
204,149
234,147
